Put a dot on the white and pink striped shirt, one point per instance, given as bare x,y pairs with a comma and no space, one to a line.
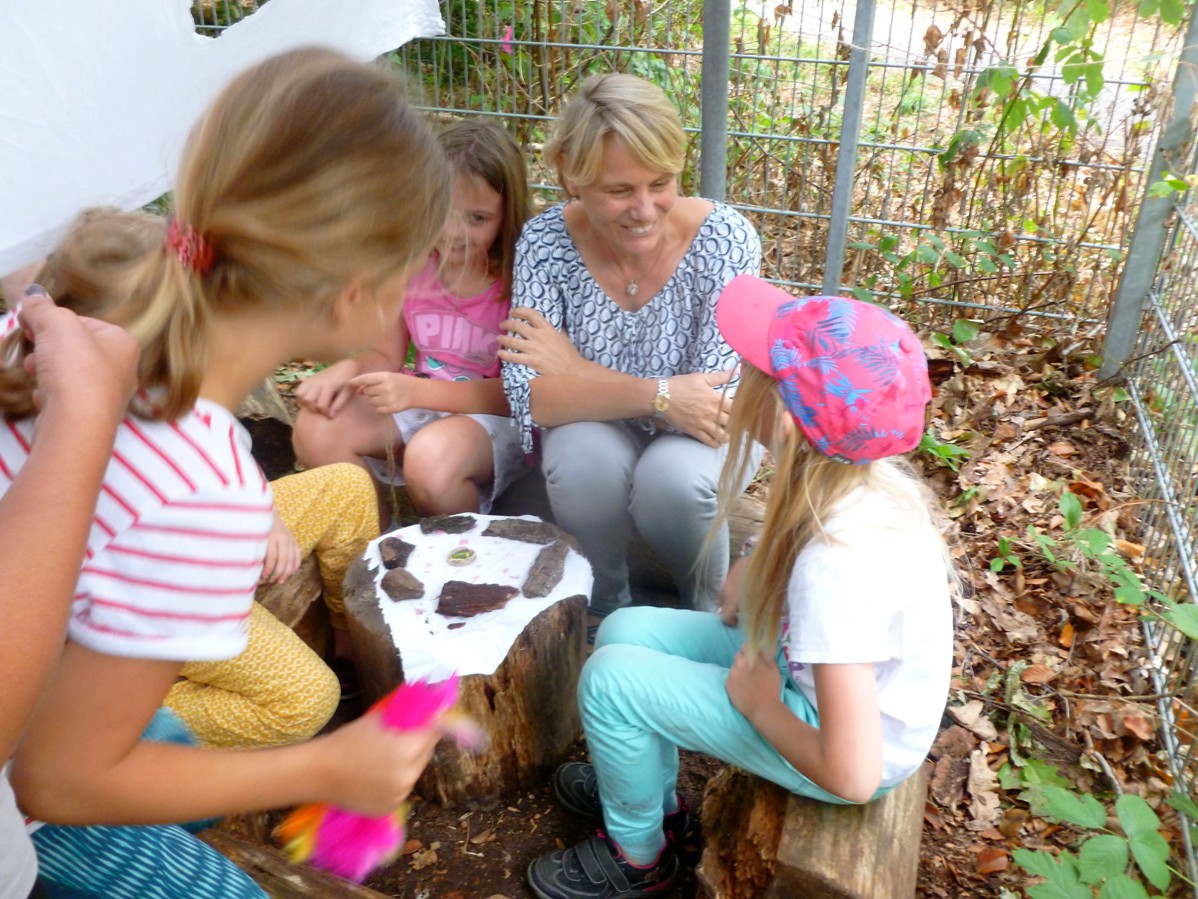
177,542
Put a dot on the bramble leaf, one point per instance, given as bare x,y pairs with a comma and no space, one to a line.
965,330
1102,857
1122,887
1184,618
1148,847
1060,874
1071,509
1074,808
1183,804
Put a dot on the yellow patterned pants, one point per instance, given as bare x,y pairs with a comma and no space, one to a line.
279,691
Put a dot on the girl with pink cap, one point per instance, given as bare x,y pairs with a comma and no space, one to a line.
827,669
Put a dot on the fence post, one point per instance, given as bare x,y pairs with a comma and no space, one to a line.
846,154
1148,236
713,93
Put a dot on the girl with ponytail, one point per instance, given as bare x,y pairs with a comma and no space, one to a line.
308,194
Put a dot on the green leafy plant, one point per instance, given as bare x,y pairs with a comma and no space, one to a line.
1112,864
964,331
1006,556
944,452
1094,546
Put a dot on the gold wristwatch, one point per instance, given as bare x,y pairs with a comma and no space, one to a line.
661,402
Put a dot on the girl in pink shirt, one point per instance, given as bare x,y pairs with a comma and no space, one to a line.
443,429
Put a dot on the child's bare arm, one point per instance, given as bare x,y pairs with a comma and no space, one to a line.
42,543
844,754
83,761
392,393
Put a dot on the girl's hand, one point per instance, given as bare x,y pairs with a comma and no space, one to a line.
327,392
754,684
539,345
389,392
700,407
283,555
729,597
65,344
373,768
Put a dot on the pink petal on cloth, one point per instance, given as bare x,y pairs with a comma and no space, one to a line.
506,46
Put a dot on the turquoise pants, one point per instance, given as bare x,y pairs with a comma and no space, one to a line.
656,683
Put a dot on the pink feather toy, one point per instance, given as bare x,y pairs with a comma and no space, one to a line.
352,845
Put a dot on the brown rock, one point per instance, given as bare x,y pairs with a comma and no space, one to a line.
401,584
547,569
462,600
450,524
523,530
395,552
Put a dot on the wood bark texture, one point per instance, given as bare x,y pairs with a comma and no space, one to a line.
526,708
762,842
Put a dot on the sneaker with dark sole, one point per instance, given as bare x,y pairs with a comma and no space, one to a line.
597,869
577,791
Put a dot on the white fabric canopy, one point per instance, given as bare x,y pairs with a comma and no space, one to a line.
96,99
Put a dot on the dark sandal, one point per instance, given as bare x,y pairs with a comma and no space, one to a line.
597,869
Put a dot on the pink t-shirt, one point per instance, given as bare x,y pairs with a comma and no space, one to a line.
456,338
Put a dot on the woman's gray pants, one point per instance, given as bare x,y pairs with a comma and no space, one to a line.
605,478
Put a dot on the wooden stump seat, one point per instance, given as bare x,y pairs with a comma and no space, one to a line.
762,842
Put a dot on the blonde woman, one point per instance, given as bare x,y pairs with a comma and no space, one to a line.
614,356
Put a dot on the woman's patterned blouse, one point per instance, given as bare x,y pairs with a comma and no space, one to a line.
675,333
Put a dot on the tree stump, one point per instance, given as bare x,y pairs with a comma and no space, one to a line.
762,842
298,602
526,707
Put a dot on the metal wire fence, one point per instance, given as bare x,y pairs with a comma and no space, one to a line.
943,207
1160,370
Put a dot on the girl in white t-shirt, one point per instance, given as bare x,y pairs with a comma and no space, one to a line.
307,195
827,669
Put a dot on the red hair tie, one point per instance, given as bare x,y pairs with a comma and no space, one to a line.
190,247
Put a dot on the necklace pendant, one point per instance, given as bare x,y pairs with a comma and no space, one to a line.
631,289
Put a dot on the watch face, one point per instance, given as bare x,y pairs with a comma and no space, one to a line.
661,403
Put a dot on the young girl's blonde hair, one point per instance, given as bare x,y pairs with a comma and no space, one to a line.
483,148
806,487
308,171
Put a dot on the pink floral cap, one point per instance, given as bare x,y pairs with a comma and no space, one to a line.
852,374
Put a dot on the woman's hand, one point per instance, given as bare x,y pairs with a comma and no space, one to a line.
282,553
327,392
699,406
373,768
754,684
538,344
389,392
